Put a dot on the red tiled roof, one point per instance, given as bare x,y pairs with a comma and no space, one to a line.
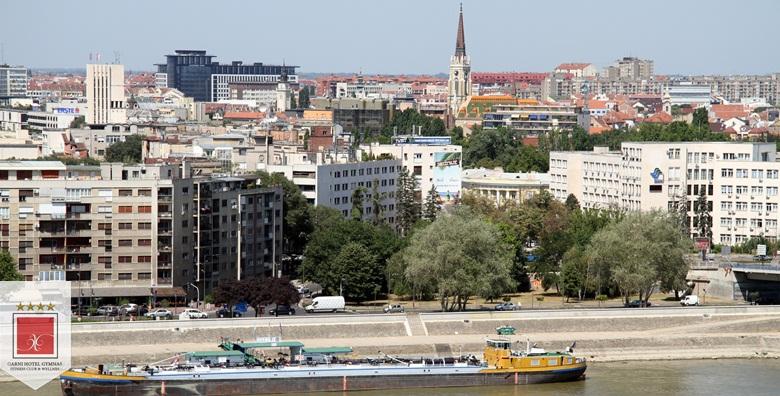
659,118
572,66
243,115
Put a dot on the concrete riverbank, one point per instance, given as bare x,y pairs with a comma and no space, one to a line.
601,334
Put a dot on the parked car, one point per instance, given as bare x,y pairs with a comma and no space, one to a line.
282,309
507,306
142,310
326,304
192,313
75,310
689,300
108,310
393,308
225,313
637,304
128,309
160,313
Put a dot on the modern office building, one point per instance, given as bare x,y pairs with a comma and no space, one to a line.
41,120
503,187
13,81
740,181
106,103
135,231
687,93
432,160
197,75
532,119
357,115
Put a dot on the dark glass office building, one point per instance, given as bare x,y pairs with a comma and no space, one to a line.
194,73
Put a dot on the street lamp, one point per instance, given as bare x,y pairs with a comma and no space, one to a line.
197,294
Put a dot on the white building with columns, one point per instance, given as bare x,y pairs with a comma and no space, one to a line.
106,102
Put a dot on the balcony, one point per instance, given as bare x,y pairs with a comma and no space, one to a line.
164,247
164,231
164,198
164,265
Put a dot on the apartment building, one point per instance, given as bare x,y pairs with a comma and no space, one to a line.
13,81
432,160
740,181
125,231
532,119
357,115
106,102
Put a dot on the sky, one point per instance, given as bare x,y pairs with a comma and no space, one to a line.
398,36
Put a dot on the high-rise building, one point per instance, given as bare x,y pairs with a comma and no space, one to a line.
459,84
13,81
136,231
106,102
197,75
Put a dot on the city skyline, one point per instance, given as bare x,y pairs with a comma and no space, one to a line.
421,44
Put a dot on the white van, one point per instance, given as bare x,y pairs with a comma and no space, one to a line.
326,304
689,300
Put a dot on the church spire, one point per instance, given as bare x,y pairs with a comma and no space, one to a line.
460,41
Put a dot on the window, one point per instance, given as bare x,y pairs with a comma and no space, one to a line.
144,242
756,206
145,193
771,191
724,205
144,226
125,226
125,209
726,189
144,259
144,275
727,172
742,173
145,209
771,174
740,222
125,276
125,259
104,276
742,189
125,193
757,173
771,207
725,222
105,209
742,206
125,242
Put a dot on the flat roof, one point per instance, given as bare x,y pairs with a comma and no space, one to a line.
215,353
277,344
32,165
328,350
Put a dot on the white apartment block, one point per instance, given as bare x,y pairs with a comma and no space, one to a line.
13,81
432,160
504,187
106,103
740,181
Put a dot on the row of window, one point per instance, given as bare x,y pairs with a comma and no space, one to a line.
752,173
753,190
743,206
743,222
360,172
107,276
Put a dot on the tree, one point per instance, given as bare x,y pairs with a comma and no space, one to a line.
8,268
229,292
128,152
357,203
574,273
572,203
410,120
459,255
359,276
78,122
430,206
296,225
376,202
703,218
293,103
700,119
408,208
640,252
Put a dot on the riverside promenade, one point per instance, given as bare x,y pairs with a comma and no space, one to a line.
601,334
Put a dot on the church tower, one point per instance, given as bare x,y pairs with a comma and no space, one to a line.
459,85
283,94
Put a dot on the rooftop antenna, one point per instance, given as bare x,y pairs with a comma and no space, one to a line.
116,57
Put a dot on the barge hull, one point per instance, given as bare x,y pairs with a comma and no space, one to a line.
313,384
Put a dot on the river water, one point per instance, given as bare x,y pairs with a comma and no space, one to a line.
759,377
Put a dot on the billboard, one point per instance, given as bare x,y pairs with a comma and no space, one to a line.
446,175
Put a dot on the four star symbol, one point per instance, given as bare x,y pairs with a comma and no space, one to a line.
33,307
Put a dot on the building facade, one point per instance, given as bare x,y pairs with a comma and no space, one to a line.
197,75
503,187
106,103
373,181
13,81
740,181
131,231
459,82
532,119
357,115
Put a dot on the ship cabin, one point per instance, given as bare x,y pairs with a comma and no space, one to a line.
498,353
211,358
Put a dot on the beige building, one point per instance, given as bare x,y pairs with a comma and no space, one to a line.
740,181
503,187
106,103
135,231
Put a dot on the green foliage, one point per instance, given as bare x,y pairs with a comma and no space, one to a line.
408,209
70,160
297,212
572,203
78,122
357,203
703,220
330,235
128,152
430,206
409,120
8,268
491,148
459,255
257,292
304,98
639,252
358,273
700,118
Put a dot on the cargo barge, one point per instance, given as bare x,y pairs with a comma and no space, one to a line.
245,369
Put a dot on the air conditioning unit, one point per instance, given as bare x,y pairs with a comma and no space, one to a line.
760,180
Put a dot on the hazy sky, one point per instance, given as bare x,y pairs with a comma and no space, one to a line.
399,36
